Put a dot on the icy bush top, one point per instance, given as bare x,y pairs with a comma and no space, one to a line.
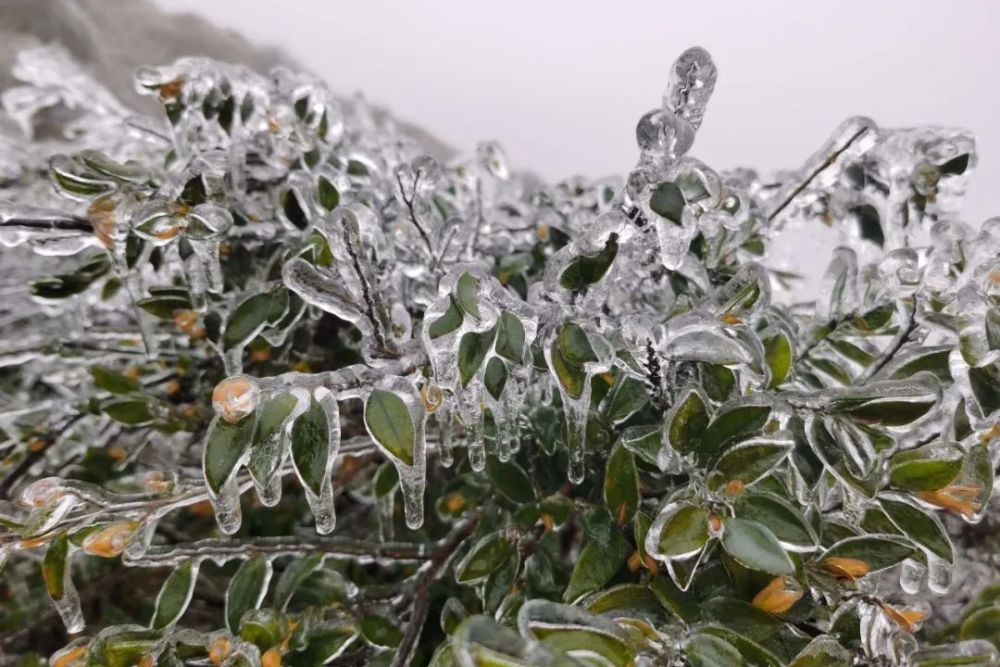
664,455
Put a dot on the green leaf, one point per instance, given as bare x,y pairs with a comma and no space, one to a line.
246,589
596,565
329,196
644,441
311,446
263,628
175,595
983,624
129,411
688,420
754,546
685,531
585,270
472,351
927,468
621,485
55,567
733,421
164,305
510,480
495,377
778,354
626,397
750,460
113,381
870,224
466,295
390,424
225,446
879,552
572,378
823,651
923,528
450,321
574,345
294,576
780,516
266,449
380,631
705,650
510,338
667,201
325,643
252,315
752,652
633,598
485,557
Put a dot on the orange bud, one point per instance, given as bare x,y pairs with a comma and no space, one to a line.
235,397
735,487
775,598
186,320
110,541
908,619
730,319
714,523
955,498
846,568
132,373
455,503
171,89
271,658
69,657
547,521
651,565
45,492
260,354
302,366
157,482
118,453
102,216
219,650
431,396
542,232
992,433
634,561
146,661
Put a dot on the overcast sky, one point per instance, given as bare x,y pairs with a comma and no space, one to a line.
561,84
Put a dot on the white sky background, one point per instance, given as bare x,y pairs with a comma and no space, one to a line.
561,84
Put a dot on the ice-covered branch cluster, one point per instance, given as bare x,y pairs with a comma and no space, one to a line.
668,456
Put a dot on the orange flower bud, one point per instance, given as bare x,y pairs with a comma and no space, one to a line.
171,89
42,493
775,598
219,650
69,657
271,658
634,561
714,523
455,503
846,568
908,619
955,498
735,487
102,216
110,541
236,397
431,396
730,319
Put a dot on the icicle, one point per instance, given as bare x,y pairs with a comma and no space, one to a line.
228,512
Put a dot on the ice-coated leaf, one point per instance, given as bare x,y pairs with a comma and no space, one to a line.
585,270
510,480
129,411
485,557
680,531
753,653
226,446
467,295
325,643
246,589
781,517
754,546
252,315
778,353
389,422
733,421
621,484
750,460
878,552
823,651
889,402
380,631
687,421
472,351
293,576
926,468
175,595
595,566
923,528
448,322
113,381
667,201
705,650
982,624
510,338
311,446
265,451
55,565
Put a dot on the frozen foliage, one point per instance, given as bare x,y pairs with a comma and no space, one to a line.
269,341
